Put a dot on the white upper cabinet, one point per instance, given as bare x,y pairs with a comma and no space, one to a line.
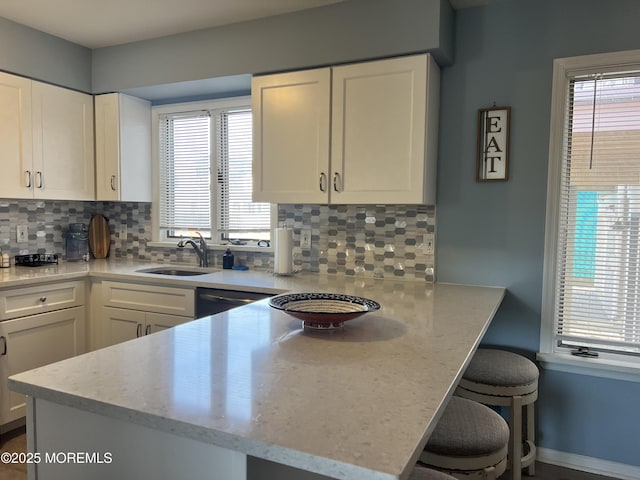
354,134
63,150
384,131
16,148
291,124
46,141
123,148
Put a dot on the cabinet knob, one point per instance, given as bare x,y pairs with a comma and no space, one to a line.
38,179
113,183
147,330
43,299
27,178
4,345
139,330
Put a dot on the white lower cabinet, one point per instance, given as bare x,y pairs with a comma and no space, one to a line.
34,341
120,324
131,310
39,324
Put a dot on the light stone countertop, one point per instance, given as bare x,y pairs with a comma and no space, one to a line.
260,281
359,402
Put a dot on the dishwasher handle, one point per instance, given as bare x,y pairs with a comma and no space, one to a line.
217,298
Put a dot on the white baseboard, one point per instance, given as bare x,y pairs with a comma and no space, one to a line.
588,464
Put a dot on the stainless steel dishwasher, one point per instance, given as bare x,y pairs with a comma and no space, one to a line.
210,301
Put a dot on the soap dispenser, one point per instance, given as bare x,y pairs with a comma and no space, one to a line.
227,260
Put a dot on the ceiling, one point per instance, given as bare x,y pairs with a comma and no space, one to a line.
102,23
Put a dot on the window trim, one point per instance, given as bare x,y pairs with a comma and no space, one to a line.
159,238
614,366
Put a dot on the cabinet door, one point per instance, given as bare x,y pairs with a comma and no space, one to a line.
291,137
378,131
63,148
16,155
159,321
120,325
107,147
35,341
123,148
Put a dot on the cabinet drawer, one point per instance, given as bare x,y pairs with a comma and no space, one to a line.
149,298
20,302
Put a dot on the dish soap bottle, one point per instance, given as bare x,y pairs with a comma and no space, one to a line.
227,260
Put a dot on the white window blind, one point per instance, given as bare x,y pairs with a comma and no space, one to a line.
185,191
238,216
205,159
597,294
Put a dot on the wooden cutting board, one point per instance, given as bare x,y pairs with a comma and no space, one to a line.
99,236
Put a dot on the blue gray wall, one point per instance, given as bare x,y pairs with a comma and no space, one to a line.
342,32
40,56
494,233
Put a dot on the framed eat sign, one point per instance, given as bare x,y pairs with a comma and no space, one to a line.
493,144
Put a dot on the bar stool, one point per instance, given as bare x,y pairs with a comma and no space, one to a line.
422,473
470,441
505,379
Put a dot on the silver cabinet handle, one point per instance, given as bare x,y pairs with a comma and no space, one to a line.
27,178
38,179
323,182
4,345
147,330
139,330
43,299
337,182
113,183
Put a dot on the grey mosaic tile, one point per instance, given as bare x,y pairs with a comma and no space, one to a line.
371,241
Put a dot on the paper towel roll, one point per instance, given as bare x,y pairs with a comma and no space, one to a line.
283,252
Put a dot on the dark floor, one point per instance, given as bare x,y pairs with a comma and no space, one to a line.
545,471
16,441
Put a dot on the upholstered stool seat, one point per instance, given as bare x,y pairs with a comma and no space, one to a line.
422,473
506,379
470,440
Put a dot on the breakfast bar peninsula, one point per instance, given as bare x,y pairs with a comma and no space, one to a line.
251,394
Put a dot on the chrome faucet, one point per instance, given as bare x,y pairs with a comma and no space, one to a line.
200,248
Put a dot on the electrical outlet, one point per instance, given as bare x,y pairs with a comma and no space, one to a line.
22,233
428,244
305,238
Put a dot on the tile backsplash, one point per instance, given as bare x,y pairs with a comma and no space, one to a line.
369,240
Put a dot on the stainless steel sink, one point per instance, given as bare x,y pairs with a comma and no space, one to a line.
176,271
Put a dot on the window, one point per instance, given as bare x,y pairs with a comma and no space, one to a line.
591,299
205,182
